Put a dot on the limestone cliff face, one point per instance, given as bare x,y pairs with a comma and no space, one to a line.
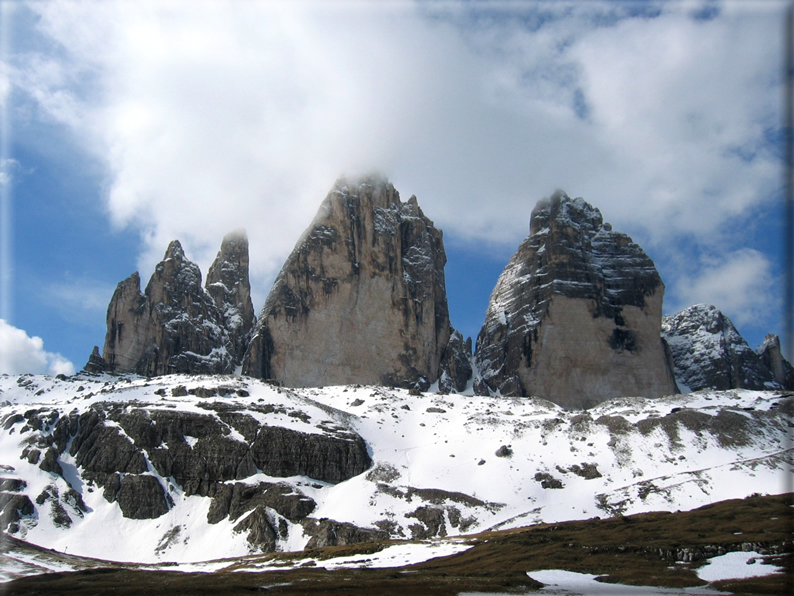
361,299
455,371
575,316
710,353
117,447
229,285
175,325
773,359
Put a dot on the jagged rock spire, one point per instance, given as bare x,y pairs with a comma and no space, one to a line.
710,353
575,316
362,297
229,285
176,325
773,359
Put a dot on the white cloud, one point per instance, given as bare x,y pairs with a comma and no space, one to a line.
20,353
215,115
741,284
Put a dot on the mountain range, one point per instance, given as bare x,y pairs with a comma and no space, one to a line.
351,411
574,318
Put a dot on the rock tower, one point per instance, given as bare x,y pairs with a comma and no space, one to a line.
175,325
710,353
575,317
361,299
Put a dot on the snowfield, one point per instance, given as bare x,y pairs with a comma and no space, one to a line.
443,465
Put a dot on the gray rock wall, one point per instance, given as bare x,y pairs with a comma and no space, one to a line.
123,447
361,299
175,325
229,285
710,353
773,359
575,316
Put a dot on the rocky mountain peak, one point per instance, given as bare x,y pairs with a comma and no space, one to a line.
229,285
560,210
176,282
575,315
709,352
374,189
174,251
362,297
772,357
176,325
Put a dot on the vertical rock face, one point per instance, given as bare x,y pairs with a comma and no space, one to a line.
176,326
455,370
361,299
709,353
228,284
772,357
576,314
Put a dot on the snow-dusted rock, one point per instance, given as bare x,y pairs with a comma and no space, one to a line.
434,467
228,284
773,359
176,325
709,353
575,316
361,299
455,368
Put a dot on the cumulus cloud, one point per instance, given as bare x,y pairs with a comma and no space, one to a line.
740,283
210,116
20,353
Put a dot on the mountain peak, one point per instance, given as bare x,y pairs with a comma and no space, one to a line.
562,210
574,317
710,353
176,325
362,297
174,251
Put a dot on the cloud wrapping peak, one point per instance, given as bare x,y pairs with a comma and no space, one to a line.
21,354
210,116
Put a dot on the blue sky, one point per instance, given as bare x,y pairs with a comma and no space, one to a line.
126,125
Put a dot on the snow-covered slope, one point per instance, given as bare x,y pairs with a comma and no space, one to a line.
440,464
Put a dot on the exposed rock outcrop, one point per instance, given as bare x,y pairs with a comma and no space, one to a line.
13,507
709,353
455,370
229,285
575,316
175,325
120,446
328,532
140,496
773,359
361,299
234,500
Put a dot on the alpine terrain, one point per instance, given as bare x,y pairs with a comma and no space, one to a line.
350,423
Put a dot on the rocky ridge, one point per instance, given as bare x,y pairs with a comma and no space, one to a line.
361,299
176,325
144,455
709,353
198,467
575,315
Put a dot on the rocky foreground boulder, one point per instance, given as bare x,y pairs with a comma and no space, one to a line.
176,325
710,353
361,299
575,316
